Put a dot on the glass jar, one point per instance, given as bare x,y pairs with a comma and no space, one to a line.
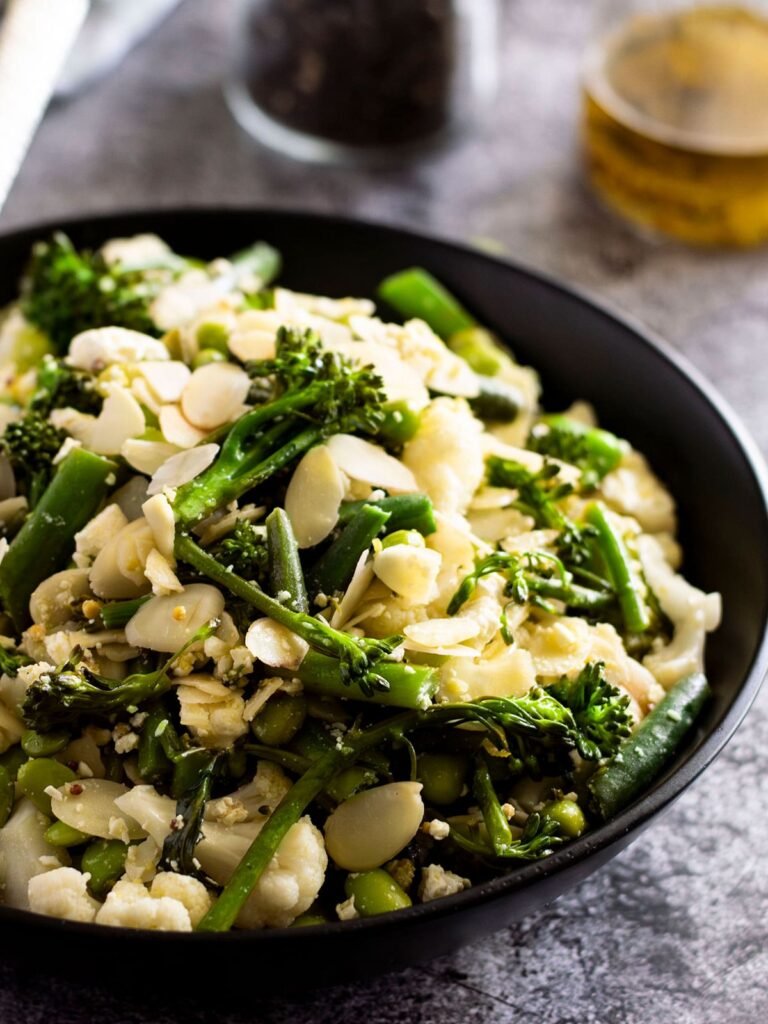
676,116
339,80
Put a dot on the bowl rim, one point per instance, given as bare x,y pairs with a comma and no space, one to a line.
633,818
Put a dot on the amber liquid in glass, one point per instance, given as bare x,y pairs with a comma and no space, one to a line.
676,124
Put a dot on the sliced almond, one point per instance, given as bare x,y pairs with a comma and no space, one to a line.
121,418
147,456
182,468
167,380
99,347
441,632
214,394
274,645
314,496
177,429
159,514
353,595
166,623
370,464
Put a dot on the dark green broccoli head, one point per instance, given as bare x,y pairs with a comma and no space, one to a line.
65,291
30,445
601,711
60,386
244,550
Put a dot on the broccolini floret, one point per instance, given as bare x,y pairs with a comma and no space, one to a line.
600,710
30,445
244,550
60,386
65,291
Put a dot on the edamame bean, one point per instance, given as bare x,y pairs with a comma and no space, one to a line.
412,538
44,744
7,795
375,892
206,356
311,917
443,776
61,834
568,815
104,861
37,775
214,336
349,782
401,421
12,760
280,720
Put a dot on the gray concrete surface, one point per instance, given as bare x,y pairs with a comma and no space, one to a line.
677,927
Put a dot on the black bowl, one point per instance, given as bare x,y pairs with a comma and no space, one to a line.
642,391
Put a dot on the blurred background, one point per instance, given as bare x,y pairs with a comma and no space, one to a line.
677,924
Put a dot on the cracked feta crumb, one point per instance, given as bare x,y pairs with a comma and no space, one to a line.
53,793
347,911
436,882
126,743
437,829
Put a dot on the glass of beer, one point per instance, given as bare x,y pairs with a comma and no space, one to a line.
676,117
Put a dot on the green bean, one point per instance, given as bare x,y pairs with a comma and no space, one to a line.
45,542
286,576
116,614
37,775
480,350
497,401
12,760
332,572
44,744
279,720
154,764
443,777
568,815
410,686
642,757
614,552
61,834
7,796
416,294
401,421
407,512
496,822
104,861
375,892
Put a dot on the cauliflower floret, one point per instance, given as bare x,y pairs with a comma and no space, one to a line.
62,893
129,905
212,711
445,454
259,796
436,882
509,674
292,881
634,490
186,890
692,612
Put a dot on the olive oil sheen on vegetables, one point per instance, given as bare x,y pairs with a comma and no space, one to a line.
676,123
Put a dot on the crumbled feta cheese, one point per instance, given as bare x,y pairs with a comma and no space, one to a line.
437,829
347,911
436,882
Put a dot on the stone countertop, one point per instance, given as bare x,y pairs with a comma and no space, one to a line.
677,926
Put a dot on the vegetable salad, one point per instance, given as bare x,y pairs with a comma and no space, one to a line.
308,615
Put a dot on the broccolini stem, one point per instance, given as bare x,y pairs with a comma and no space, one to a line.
617,561
358,659
332,572
496,823
115,614
285,573
46,540
406,512
409,686
416,294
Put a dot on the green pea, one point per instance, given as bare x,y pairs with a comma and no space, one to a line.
411,538
12,760
401,421
37,775
349,782
44,744
206,356
104,861
375,892
477,347
443,777
280,720
61,834
214,336
568,815
7,796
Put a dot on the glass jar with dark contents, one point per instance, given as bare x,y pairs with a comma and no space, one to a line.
341,79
